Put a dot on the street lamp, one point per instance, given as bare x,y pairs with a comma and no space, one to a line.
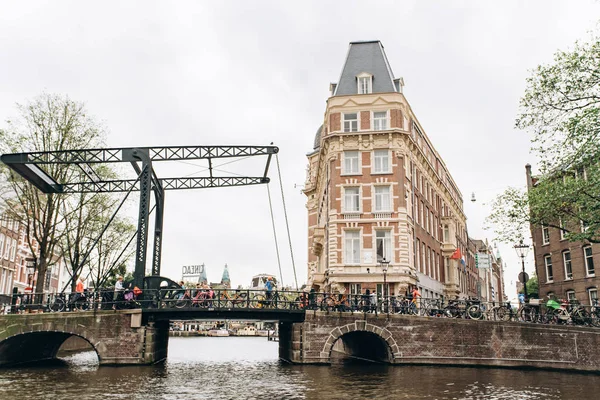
522,249
384,267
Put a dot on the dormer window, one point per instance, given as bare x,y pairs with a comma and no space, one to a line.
365,83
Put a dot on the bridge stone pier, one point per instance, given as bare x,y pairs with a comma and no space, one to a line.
401,339
118,337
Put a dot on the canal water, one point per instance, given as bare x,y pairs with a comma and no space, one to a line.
248,368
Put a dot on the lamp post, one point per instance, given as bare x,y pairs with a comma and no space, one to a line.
522,249
384,267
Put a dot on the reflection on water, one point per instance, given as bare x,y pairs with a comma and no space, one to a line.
247,368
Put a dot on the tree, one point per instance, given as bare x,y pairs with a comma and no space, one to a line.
561,109
47,123
90,244
532,287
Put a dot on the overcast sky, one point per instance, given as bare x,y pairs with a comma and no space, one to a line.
255,72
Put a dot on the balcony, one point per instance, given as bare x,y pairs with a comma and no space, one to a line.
382,215
352,215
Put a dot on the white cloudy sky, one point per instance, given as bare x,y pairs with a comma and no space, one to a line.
253,72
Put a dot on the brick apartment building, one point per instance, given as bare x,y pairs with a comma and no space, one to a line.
565,269
14,251
377,188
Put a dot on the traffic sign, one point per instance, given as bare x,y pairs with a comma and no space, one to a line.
523,277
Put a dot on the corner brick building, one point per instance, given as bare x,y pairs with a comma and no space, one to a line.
377,188
565,269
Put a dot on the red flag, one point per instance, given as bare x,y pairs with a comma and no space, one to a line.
455,255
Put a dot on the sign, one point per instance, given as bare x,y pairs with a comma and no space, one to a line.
523,277
30,262
482,260
192,270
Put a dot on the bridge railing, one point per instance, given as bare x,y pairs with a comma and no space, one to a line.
295,301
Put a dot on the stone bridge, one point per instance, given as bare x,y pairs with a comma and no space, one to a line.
135,337
402,339
118,337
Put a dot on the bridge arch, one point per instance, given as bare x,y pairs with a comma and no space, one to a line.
363,340
33,346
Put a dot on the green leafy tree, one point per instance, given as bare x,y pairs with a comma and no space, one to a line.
561,109
532,287
47,123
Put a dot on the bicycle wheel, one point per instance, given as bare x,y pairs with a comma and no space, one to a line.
451,312
595,318
412,309
528,314
328,304
581,317
474,312
58,305
258,301
182,303
502,314
240,300
224,301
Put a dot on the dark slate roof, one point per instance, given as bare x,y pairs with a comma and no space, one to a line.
317,142
366,57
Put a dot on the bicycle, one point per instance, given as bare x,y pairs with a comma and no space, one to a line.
331,303
503,312
225,300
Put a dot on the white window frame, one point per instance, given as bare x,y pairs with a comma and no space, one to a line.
355,288
548,263
352,238
381,157
570,295
378,198
418,255
386,242
364,83
588,260
424,256
351,164
2,241
568,276
379,122
545,235
562,231
354,124
595,296
353,191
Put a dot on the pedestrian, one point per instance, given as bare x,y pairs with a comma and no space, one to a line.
118,289
269,285
79,288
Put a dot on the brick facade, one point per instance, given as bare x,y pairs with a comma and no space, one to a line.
581,284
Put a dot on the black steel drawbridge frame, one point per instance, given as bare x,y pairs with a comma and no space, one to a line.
30,167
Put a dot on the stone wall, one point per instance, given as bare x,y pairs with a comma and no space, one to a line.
420,340
118,337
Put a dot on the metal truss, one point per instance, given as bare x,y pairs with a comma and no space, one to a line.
30,167
128,154
167,184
